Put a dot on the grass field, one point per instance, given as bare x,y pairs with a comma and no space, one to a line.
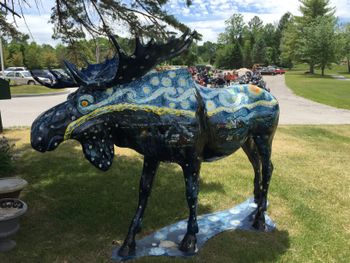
326,89
335,69
75,211
33,89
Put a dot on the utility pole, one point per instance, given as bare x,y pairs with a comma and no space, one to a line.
2,57
2,75
5,92
97,53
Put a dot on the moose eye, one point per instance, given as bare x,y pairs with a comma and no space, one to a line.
84,103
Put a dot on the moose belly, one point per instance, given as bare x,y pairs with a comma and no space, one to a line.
164,137
225,137
224,143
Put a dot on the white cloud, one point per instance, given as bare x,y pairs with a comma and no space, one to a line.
39,27
208,29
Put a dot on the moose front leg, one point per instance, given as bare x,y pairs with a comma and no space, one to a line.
149,170
191,173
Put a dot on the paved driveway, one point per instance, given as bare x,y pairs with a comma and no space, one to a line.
23,111
297,110
294,109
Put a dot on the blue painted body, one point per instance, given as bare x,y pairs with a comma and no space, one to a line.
178,107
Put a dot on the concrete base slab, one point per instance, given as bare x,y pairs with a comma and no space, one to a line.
165,241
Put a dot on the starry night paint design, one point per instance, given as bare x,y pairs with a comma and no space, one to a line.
165,241
165,116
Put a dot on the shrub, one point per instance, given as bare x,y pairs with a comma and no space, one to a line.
6,154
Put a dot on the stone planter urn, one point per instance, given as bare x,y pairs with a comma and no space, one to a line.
11,209
10,187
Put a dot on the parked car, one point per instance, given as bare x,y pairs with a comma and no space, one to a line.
280,71
20,78
43,75
271,70
10,69
267,71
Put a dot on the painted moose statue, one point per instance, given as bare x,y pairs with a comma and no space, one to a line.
165,116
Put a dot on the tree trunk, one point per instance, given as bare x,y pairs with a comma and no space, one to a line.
349,64
312,69
322,70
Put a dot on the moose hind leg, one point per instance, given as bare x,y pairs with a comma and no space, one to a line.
263,143
149,170
191,173
251,151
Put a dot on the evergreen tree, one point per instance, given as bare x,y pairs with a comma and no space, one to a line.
207,52
322,42
311,10
345,44
247,54
255,29
282,25
259,51
229,57
33,58
298,36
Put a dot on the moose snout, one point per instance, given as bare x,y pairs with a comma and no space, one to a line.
49,128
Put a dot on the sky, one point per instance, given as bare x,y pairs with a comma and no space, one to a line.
206,16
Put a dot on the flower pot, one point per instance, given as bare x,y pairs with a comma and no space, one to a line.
11,209
10,187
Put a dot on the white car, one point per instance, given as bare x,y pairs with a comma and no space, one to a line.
20,78
10,69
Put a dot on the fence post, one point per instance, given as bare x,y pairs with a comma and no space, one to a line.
5,94
1,128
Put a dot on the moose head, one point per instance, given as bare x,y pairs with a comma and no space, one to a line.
95,83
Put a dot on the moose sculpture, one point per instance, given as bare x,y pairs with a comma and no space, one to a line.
165,116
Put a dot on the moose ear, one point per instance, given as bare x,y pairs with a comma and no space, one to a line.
97,143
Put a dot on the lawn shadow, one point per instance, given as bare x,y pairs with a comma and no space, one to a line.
246,246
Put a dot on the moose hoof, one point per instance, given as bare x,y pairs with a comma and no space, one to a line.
259,222
260,226
188,244
126,251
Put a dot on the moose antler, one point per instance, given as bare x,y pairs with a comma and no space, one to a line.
59,80
147,56
122,68
94,75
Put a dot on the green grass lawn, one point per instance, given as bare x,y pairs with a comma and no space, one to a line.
338,70
75,211
33,89
335,69
326,89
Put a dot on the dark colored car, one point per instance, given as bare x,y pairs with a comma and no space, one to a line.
267,71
